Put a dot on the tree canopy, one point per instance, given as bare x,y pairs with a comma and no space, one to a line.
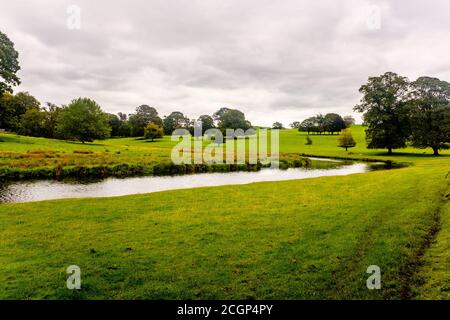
385,108
141,118
345,140
430,113
83,120
9,64
231,119
153,131
175,120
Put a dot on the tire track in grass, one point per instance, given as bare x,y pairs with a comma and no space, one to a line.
347,278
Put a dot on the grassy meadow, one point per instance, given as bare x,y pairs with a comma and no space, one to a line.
300,239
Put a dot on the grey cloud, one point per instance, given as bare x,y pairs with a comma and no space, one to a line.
276,60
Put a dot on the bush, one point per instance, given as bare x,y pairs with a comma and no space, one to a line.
153,131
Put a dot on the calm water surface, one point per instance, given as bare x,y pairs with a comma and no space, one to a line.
24,191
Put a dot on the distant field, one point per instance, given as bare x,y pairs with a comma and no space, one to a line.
28,152
303,239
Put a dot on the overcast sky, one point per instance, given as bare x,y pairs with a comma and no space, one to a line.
274,60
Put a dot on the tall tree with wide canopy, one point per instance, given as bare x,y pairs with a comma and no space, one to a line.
385,108
9,64
231,119
175,120
12,107
308,125
83,120
430,114
141,118
334,123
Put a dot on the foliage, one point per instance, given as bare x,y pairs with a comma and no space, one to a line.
9,64
430,113
295,125
12,107
83,120
175,120
153,131
349,121
277,125
345,140
333,123
206,121
141,118
33,123
385,108
231,119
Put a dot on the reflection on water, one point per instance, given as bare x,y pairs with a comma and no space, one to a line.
25,191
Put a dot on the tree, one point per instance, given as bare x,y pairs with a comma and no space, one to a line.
83,120
277,125
430,114
385,111
175,120
114,123
333,123
124,128
217,116
308,125
32,123
143,116
52,112
345,140
153,131
321,123
349,121
295,125
6,110
12,107
9,64
207,122
231,119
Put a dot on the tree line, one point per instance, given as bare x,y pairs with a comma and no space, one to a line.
398,112
321,124
84,120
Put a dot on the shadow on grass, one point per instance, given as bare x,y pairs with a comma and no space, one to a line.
410,154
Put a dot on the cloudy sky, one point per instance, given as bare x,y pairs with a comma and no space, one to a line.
275,60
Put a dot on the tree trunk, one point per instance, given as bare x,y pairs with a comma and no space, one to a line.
435,151
389,150
345,148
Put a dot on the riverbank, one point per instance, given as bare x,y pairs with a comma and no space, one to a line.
299,239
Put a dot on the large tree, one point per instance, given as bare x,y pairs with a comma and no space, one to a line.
334,123
12,107
206,121
385,108
175,120
9,64
430,113
231,119
52,112
308,125
32,123
277,125
141,118
83,120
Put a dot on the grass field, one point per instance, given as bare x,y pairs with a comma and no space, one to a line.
303,239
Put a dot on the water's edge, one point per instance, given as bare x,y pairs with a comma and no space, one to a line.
25,191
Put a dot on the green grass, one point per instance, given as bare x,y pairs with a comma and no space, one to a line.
302,239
